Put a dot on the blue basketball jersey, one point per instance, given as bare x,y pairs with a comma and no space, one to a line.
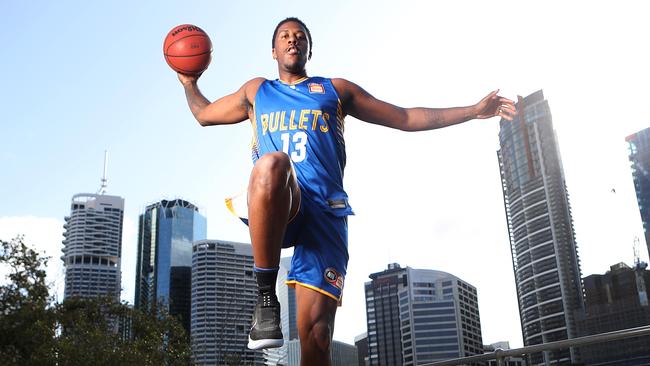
305,120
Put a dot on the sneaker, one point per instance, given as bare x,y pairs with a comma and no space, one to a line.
265,331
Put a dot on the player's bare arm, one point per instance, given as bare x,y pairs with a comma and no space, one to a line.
362,105
232,108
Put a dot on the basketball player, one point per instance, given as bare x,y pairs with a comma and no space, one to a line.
295,192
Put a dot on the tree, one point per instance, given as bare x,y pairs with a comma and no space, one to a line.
161,338
101,331
79,331
26,324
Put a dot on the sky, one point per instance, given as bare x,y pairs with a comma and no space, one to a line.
80,78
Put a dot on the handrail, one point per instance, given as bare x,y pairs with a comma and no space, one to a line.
499,354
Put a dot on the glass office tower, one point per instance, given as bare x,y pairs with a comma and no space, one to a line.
164,265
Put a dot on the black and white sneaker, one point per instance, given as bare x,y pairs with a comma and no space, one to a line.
265,331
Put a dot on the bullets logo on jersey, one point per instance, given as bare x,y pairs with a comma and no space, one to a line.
292,120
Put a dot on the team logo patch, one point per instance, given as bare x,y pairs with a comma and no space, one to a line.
316,88
334,278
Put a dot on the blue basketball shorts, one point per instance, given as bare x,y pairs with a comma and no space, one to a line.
320,254
320,242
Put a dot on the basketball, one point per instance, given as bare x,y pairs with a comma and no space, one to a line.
187,49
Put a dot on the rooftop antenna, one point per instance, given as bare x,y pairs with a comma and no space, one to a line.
102,189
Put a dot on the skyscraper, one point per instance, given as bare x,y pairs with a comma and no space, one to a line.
417,316
639,150
224,293
92,246
542,240
164,264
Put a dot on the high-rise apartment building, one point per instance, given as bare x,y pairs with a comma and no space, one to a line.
92,246
224,294
417,316
614,301
167,230
639,155
542,240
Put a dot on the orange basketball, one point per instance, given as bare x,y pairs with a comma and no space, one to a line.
187,49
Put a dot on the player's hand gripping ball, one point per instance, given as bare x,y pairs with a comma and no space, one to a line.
187,49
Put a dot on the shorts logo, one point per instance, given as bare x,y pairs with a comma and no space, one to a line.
316,88
334,278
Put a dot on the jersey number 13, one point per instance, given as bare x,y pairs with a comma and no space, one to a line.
298,152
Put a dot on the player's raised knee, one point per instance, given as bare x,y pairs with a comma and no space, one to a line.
275,162
271,171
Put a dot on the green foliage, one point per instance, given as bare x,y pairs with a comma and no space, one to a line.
102,332
26,324
77,332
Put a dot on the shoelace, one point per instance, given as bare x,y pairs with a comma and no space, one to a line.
267,300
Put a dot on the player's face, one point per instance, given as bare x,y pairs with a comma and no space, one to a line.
291,47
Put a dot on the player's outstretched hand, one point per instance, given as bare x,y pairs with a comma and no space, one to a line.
494,105
188,79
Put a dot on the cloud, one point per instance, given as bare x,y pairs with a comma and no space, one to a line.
45,235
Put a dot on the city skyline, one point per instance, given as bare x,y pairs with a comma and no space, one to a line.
449,216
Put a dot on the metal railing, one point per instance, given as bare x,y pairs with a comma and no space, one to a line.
499,355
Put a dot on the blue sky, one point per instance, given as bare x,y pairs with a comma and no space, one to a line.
83,77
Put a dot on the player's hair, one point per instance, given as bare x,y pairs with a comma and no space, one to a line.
293,19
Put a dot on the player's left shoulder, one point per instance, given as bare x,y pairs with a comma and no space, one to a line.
343,87
340,83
